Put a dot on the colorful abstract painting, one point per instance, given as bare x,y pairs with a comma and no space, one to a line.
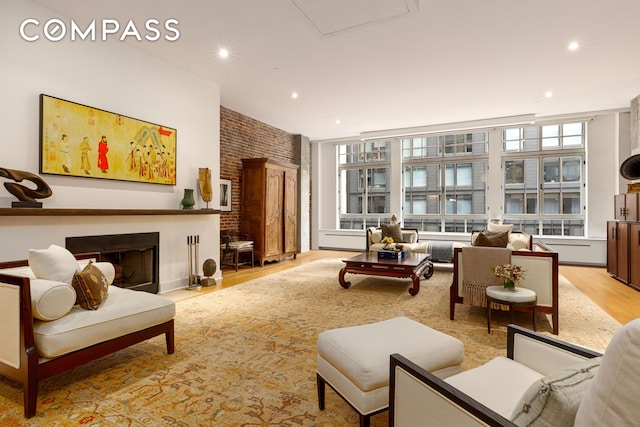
77,140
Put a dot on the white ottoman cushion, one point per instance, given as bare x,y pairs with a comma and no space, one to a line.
361,353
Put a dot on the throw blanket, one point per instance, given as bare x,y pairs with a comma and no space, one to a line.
476,269
440,251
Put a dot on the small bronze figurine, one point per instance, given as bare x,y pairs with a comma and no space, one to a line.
26,195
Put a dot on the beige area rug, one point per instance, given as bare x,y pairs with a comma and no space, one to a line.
245,355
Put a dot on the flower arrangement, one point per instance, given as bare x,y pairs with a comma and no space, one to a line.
387,242
511,274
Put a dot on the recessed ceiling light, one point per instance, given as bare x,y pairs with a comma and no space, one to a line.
548,94
573,46
223,53
338,121
294,95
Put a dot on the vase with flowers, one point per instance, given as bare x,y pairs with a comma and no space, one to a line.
510,273
387,242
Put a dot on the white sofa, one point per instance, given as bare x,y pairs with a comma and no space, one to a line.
542,381
45,333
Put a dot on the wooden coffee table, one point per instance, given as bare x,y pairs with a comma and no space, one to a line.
413,265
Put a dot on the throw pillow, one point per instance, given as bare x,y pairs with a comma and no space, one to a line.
492,239
91,287
392,231
51,300
54,263
501,227
554,400
612,398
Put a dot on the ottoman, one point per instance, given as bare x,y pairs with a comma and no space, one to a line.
354,361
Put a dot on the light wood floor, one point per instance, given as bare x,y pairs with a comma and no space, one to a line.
619,300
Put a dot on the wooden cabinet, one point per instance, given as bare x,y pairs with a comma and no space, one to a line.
623,240
269,208
618,249
626,207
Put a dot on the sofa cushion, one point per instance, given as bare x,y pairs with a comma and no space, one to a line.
492,239
519,241
54,263
375,235
501,227
123,311
554,399
393,231
612,398
51,300
91,286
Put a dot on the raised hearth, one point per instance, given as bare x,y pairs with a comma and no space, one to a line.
134,256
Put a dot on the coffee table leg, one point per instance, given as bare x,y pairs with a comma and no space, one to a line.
413,291
429,271
343,283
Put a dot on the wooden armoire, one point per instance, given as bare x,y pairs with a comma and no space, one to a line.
269,208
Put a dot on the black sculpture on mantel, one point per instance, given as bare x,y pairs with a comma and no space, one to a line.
26,195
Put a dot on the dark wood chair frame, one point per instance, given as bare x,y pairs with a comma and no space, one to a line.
462,400
235,253
32,370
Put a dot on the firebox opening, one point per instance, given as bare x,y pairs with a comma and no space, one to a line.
134,257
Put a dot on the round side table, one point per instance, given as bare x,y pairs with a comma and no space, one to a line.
515,297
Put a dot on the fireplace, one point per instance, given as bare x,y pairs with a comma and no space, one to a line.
135,257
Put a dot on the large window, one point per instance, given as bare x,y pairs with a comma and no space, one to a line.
445,181
364,183
544,178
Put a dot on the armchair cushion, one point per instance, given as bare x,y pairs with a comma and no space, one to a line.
554,400
498,384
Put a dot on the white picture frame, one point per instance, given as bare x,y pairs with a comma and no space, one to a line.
225,195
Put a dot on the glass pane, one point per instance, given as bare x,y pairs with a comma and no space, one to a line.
514,172
571,203
419,176
551,203
569,129
550,131
350,191
532,203
552,227
571,169
419,205
514,203
551,170
574,228
550,143
464,174
572,141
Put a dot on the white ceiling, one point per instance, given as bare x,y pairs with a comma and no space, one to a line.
386,64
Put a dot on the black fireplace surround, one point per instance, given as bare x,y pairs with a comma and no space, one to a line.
135,257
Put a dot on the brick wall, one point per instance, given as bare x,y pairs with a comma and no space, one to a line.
243,137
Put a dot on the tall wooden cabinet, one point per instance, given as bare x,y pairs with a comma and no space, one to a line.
623,240
269,208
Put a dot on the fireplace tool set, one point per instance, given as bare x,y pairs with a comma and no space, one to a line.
193,242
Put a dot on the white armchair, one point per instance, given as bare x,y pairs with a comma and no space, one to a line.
543,381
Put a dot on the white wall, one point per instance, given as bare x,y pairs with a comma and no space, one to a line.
608,146
115,77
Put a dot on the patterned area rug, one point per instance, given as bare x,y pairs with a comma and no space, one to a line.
245,355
